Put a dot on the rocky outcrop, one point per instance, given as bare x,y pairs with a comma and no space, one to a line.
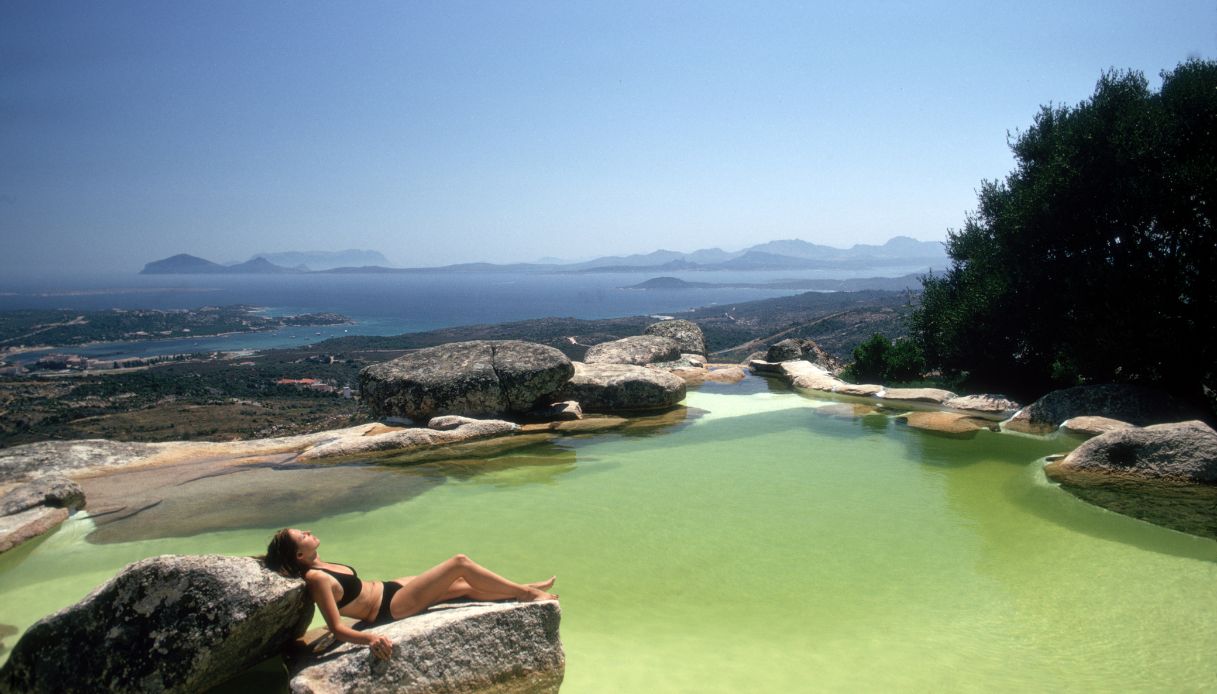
165,624
505,648
53,490
485,377
36,508
686,361
1128,403
450,430
803,375
862,390
586,425
710,373
686,333
808,376
934,396
622,388
1092,426
795,348
948,423
94,456
638,350
30,460
18,528
1184,451
786,350
994,406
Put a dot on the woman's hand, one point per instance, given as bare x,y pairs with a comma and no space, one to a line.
381,646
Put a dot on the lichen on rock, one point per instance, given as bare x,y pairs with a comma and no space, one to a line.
638,350
471,647
483,377
623,388
164,624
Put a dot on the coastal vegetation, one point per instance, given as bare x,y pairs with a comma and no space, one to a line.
838,321
880,360
64,327
1091,261
222,397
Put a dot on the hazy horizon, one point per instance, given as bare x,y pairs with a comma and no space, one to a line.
541,260
448,133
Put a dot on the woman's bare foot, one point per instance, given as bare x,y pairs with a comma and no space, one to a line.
535,594
543,585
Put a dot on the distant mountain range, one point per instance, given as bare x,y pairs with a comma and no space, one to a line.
265,263
185,264
324,260
792,254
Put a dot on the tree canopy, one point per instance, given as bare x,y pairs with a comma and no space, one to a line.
1093,261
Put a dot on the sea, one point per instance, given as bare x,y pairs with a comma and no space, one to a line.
385,304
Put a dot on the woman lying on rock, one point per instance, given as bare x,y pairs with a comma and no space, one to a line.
338,590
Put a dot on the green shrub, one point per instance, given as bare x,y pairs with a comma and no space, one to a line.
879,360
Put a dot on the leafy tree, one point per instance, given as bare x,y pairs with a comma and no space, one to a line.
905,361
870,359
881,360
1094,259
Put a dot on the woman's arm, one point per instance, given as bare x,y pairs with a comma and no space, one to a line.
323,596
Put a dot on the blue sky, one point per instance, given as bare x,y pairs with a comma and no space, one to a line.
448,132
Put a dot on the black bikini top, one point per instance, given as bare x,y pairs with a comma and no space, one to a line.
351,585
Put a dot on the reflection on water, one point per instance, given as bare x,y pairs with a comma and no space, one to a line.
246,498
541,466
759,541
1189,508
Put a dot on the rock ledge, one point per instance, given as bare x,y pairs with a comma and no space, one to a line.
504,648
164,624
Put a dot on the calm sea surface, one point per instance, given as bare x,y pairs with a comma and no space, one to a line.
381,304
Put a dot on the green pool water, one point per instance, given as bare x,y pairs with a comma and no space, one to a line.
768,546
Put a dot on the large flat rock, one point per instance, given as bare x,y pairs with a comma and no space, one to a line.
952,424
990,406
36,508
622,388
808,376
98,456
638,350
686,333
933,396
1182,451
504,648
53,490
23,526
1092,426
481,377
164,624
1136,405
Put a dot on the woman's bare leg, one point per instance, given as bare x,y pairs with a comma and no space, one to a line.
460,588
432,585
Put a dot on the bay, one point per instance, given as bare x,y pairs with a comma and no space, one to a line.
384,304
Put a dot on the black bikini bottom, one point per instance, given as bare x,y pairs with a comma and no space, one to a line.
385,614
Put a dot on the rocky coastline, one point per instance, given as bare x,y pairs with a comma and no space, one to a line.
475,399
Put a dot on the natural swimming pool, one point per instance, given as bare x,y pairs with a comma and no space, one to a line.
765,545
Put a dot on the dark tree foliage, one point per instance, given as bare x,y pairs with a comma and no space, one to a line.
1095,259
878,359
